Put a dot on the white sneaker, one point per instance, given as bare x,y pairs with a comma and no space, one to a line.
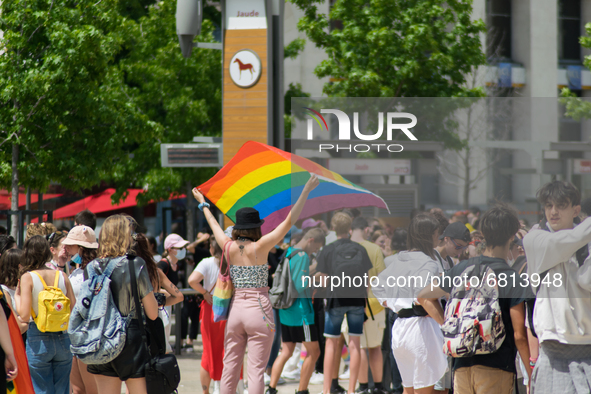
216,387
317,378
267,379
345,375
291,375
240,388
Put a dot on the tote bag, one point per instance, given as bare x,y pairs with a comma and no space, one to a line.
224,289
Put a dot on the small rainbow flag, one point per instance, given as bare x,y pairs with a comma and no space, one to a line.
271,180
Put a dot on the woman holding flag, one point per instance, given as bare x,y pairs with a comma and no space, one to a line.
250,320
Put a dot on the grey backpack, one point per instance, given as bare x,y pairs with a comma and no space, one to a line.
97,330
283,293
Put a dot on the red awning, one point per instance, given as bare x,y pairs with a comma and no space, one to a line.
100,202
6,198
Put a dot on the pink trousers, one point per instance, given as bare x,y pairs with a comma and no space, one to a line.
250,322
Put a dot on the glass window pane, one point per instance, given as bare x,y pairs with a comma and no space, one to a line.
569,8
570,33
500,7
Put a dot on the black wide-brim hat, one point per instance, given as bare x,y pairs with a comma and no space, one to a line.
247,218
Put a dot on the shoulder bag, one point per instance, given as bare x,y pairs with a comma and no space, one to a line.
224,289
162,371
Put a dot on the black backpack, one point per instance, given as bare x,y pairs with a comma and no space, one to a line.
347,261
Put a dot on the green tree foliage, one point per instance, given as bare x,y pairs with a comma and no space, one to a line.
61,102
395,48
89,90
181,95
577,108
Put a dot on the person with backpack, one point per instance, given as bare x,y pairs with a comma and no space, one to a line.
416,336
212,333
484,352
79,242
558,260
129,365
343,258
46,295
297,320
250,317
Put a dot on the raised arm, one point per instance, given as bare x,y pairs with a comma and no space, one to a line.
275,236
218,231
545,250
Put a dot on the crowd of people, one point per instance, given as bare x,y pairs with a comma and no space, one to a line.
533,320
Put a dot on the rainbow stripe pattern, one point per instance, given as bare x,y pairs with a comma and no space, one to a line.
271,180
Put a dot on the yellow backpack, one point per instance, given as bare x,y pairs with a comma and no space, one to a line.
53,307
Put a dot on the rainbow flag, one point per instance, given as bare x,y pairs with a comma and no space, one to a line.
271,180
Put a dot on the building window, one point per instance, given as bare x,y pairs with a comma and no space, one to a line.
569,30
498,36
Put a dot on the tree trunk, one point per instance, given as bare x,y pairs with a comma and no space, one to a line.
14,204
190,212
28,204
467,180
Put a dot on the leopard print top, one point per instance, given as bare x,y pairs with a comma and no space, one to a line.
253,276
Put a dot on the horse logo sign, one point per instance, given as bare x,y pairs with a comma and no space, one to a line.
245,68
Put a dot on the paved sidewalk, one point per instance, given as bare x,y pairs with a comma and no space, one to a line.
190,365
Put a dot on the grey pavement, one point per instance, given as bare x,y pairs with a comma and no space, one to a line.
190,365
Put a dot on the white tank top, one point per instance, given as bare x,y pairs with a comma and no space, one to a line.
38,287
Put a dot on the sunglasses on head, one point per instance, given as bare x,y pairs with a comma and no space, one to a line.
51,236
458,247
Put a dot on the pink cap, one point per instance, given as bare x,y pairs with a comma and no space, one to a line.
81,236
310,223
175,241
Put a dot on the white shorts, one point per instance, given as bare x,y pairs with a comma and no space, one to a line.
417,344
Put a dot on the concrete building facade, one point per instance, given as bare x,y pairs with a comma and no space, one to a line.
533,52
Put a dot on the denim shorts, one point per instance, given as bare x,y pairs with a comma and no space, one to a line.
50,360
333,319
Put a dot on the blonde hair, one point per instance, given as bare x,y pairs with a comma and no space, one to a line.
43,229
115,236
341,223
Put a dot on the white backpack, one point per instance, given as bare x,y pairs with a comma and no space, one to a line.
473,323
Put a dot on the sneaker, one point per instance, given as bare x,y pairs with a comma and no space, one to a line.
345,375
281,381
267,379
366,391
317,378
271,391
303,391
291,375
216,387
338,390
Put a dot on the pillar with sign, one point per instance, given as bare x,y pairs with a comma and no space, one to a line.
250,76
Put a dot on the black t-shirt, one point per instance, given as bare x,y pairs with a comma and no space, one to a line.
509,296
325,260
171,274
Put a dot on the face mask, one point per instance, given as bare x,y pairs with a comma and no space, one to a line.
181,253
511,260
76,259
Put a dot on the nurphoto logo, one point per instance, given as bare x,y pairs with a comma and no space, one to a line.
344,130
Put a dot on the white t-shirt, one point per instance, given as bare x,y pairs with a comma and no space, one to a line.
210,270
76,280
